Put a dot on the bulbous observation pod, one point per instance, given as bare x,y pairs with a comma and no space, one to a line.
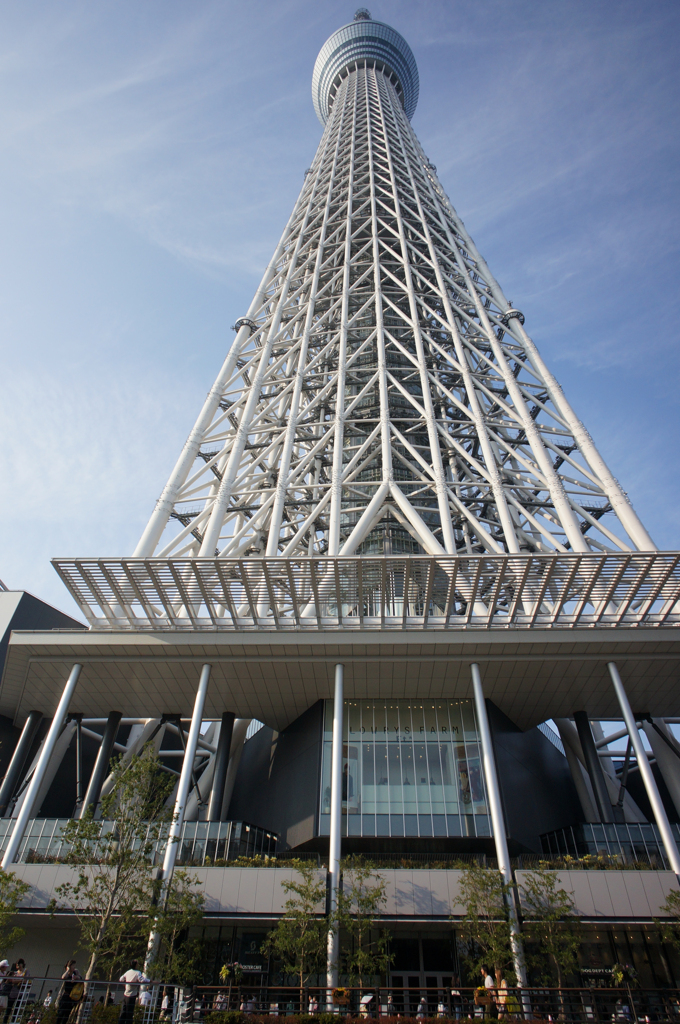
364,40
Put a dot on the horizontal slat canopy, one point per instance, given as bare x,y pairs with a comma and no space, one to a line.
544,591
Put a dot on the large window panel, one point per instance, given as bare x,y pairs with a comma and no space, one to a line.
410,767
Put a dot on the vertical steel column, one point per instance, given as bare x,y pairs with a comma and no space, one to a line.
40,768
221,764
585,735
336,828
101,765
498,821
175,830
79,764
655,800
16,765
339,417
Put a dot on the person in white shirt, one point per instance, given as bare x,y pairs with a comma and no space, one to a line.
4,985
166,1005
488,1001
490,985
47,1001
145,993
132,978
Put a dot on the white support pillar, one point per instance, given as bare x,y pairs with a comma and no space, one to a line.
658,808
175,829
498,822
39,773
336,828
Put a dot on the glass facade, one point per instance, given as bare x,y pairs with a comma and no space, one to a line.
630,843
410,768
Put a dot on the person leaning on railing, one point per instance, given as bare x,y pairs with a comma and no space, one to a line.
71,991
132,978
19,976
456,998
5,984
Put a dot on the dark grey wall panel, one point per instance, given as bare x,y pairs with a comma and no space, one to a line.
9,737
536,785
31,613
277,784
28,612
636,788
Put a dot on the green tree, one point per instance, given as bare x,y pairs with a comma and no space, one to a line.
179,959
114,892
669,927
550,919
486,924
12,891
299,939
360,902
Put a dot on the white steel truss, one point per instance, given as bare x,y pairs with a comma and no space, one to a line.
381,395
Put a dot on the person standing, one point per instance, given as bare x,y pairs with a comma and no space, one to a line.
456,998
71,977
503,998
132,978
484,996
167,1001
19,976
489,985
5,985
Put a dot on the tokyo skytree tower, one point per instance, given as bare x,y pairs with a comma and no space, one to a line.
382,400
381,395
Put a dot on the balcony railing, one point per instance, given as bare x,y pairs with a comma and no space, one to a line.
629,844
201,843
174,1004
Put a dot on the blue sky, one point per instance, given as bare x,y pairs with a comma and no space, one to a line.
152,153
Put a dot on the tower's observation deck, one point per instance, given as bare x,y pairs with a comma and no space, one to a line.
364,40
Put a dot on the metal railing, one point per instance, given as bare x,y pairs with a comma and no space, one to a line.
593,1005
626,845
50,1000
104,1002
551,591
201,843
613,847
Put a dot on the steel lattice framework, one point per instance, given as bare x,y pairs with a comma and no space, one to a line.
382,397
